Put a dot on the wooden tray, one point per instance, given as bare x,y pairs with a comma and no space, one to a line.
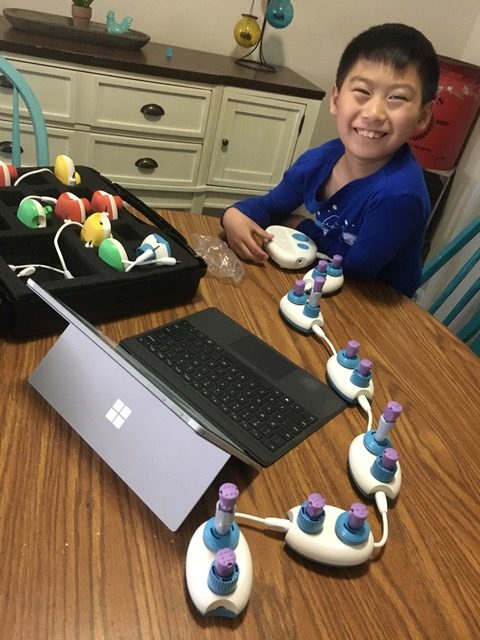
48,24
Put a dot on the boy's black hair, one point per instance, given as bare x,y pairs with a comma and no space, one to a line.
397,45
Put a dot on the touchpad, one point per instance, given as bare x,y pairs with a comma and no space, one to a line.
261,356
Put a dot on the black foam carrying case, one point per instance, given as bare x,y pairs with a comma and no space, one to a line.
97,291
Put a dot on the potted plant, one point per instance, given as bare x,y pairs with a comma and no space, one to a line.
81,13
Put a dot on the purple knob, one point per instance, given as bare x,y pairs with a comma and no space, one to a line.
299,287
318,283
352,348
322,266
337,261
314,505
364,367
390,457
227,496
357,515
392,411
225,560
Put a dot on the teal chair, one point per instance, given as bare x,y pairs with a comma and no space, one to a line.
10,78
469,333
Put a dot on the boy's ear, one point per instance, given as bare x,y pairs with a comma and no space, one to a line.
425,115
334,100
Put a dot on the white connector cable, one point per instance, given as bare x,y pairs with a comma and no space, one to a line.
276,524
27,270
166,261
66,224
320,333
365,404
382,506
31,173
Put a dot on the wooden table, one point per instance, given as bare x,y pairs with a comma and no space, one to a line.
82,558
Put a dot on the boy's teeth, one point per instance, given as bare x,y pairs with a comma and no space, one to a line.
369,134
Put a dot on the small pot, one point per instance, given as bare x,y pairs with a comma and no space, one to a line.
81,16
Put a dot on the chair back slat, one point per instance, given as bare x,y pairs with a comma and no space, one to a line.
475,345
449,250
16,149
22,89
454,282
462,303
469,332
472,327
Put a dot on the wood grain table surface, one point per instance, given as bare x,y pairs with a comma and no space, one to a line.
82,557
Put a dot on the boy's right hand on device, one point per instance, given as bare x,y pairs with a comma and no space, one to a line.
244,236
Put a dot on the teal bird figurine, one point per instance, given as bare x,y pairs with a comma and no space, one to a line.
118,28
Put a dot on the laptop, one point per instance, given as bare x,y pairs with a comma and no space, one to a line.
161,435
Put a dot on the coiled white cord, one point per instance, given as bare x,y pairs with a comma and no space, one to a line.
29,269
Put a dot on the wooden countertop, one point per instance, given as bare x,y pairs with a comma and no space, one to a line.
186,64
83,558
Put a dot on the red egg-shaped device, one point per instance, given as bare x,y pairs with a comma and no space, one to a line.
8,174
71,207
104,202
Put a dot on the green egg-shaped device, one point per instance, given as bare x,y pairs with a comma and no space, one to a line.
113,253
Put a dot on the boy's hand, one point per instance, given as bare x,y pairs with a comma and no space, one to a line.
244,236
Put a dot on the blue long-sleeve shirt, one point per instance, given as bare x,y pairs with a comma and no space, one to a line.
376,223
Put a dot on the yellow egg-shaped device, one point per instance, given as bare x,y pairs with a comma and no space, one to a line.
64,170
96,228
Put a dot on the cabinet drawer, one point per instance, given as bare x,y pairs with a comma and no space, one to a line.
176,199
55,89
60,141
173,164
145,108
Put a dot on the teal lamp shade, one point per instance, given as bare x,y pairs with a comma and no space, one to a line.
279,13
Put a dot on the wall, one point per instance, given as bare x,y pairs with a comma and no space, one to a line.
311,46
313,42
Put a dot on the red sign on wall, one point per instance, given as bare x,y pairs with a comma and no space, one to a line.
456,109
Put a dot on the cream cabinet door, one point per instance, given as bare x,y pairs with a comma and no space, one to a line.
254,141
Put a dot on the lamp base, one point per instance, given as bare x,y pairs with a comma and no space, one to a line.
255,64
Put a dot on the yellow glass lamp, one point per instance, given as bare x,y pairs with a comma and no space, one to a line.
247,31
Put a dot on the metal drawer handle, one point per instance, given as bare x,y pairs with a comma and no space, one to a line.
5,83
146,163
225,142
152,110
6,147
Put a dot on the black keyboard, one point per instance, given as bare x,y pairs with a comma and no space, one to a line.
269,416
232,382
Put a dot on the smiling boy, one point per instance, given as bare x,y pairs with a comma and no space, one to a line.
365,189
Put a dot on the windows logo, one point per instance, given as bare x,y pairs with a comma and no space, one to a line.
118,413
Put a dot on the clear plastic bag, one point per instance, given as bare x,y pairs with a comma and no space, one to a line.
221,261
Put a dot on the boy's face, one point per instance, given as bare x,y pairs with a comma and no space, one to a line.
377,109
